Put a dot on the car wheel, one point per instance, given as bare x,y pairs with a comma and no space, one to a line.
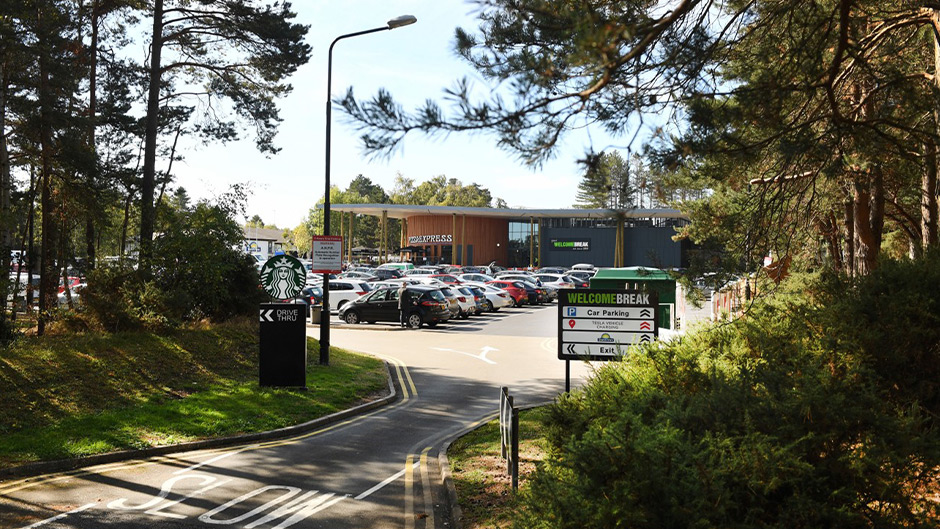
489,306
414,320
341,303
463,315
351,317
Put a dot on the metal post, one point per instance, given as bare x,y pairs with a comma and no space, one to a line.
325,320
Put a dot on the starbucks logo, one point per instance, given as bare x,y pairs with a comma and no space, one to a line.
283,277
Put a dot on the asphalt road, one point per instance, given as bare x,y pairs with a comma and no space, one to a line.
376,470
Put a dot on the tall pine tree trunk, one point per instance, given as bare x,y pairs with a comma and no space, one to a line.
90,235
6,220
148,183
48,276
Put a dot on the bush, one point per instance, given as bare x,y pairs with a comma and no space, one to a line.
772,421
198,271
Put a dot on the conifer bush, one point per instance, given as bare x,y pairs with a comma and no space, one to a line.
790,417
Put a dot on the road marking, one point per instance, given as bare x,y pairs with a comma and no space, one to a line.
60,516
426,486
213,460
409,492
481,356
385,482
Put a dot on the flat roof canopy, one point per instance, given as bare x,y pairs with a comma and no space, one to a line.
400,211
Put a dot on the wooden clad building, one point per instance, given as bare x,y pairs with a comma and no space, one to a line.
517,237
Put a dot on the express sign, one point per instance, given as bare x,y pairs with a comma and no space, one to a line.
602,324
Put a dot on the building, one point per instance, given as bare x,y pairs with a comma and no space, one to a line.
264,242
529,237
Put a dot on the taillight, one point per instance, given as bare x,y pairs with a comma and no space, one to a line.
360,293
462,299
502,295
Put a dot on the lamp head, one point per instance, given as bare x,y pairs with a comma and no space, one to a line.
403,20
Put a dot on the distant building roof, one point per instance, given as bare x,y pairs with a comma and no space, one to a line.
263,234
399,211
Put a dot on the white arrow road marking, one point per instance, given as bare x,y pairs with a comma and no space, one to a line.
481,356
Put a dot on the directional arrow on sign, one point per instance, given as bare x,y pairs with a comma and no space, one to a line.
645,338
266,315
645,326
646,313
571,350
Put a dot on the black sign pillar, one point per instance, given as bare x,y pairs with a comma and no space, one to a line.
283,345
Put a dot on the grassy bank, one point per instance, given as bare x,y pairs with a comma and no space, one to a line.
484,488
83,394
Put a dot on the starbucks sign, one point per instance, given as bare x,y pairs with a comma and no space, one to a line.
283,276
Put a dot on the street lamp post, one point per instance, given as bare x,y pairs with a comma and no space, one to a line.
398,22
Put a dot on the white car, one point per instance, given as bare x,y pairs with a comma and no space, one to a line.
476,278
558,281
419,272
342,291
467,305
496,297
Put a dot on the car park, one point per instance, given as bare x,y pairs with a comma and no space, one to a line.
430,307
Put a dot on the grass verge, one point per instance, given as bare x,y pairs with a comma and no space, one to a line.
484,487
79,395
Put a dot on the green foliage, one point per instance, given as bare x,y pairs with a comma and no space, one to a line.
807,413
199,272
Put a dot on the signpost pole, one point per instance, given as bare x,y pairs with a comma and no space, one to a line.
567,376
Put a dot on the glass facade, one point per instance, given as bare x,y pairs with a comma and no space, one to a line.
519,247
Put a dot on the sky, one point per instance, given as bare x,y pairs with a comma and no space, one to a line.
414,63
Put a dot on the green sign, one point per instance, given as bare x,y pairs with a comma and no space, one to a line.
283,276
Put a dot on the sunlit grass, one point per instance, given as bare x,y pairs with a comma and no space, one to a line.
85,395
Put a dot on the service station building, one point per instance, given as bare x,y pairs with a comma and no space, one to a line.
531,237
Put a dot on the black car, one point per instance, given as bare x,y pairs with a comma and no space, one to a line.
384,274
310,296
429,308
536,294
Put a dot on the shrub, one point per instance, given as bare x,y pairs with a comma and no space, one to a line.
769,422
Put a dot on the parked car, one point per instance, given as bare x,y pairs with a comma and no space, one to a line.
362,276
420,272
496,298
559,281
430,307
475,296
518,292
76,292
343,291
387,273
551,270
476,276
396,266
583,275
456,310
310,296
446,278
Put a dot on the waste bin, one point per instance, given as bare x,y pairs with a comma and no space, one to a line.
315,313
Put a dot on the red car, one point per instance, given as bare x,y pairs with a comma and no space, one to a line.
519,295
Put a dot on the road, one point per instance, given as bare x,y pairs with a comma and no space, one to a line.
377,470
